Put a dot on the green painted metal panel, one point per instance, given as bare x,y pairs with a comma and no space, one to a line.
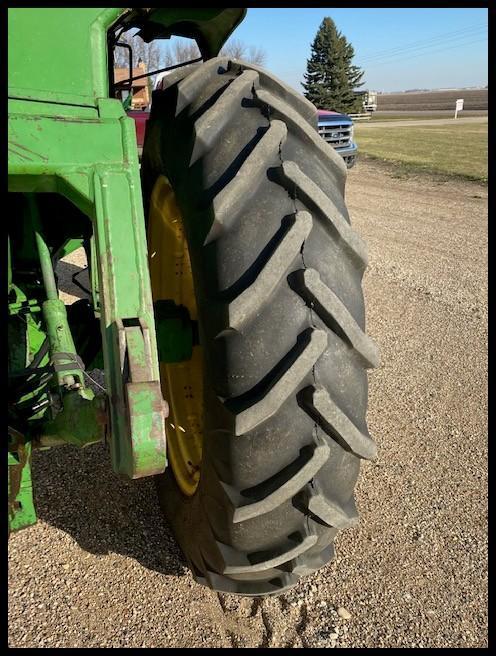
41,109
59,55
69,247
43,146
82,421
114,192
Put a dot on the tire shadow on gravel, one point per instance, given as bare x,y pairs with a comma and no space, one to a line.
77,492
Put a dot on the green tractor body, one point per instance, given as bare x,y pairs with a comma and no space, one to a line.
74,178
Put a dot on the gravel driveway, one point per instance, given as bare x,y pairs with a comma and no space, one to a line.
100,569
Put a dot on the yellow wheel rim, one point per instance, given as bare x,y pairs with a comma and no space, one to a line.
182,382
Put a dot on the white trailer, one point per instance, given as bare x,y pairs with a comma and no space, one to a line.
370,101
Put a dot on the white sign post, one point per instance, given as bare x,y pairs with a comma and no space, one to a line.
458,107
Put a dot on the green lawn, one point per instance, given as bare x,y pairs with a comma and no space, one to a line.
459,150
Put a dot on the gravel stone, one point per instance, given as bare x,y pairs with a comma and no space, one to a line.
343,613
426,294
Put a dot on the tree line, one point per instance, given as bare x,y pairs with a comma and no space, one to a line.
155,56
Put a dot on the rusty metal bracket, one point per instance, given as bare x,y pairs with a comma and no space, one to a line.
21,506
143,453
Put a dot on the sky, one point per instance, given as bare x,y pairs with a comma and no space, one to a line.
398,49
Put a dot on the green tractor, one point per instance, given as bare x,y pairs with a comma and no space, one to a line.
226,307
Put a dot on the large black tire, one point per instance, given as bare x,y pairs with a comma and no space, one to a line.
277,272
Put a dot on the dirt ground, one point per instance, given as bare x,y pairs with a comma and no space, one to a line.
100,569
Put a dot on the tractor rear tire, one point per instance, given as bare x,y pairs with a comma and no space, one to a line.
277,272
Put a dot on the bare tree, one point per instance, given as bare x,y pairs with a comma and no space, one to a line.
180,51
239,50
149,53
234,48
257,55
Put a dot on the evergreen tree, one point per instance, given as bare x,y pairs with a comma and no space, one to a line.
331,78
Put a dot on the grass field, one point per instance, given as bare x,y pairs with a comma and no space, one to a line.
445,149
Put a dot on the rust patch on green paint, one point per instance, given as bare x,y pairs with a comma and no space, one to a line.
17,145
